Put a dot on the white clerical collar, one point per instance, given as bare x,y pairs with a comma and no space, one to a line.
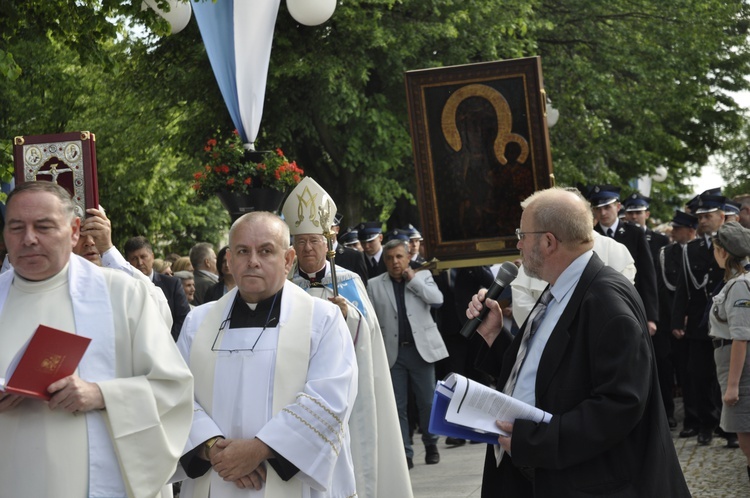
315,273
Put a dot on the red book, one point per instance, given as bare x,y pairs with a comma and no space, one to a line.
47,357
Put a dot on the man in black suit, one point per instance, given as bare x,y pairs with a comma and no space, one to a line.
588,361
346,257
605,201
139,253
370,235
699,277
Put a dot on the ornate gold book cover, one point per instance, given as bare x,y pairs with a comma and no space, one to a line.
68,159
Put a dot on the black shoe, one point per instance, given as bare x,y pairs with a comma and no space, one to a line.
409,463
704,438
732,441
431,456
672,423
475,442
454,441
688,432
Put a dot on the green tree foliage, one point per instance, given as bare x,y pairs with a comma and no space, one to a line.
638,83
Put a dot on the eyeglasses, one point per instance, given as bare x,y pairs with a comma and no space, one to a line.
521,234
314,242
225,323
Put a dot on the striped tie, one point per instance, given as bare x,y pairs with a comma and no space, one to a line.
533,324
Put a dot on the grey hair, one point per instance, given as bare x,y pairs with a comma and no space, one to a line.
568,219
394,243
198,254
68,206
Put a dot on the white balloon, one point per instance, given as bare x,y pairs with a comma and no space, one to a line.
311,12
660,174
178,16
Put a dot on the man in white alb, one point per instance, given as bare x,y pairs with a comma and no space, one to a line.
377,450
117,426
276,378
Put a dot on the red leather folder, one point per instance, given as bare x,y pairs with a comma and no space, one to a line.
49,356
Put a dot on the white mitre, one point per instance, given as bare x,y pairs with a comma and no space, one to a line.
309,209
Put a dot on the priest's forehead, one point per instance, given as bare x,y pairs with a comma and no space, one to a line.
250,223
40,187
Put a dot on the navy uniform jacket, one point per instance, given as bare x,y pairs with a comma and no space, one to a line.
352,260
608,435
632,237
655,241
668,270
690,300
379,269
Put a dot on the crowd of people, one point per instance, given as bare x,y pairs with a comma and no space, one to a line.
300,361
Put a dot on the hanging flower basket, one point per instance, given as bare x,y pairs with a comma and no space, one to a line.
259,199
244,180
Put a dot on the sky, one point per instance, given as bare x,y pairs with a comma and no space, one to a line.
710,177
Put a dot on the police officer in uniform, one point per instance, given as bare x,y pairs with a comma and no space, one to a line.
668,270
637,211
699,276
415,241
605,201
370,235
346,257
349,239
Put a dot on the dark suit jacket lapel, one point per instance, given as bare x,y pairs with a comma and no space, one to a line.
557,344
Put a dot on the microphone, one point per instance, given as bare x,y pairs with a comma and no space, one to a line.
505,275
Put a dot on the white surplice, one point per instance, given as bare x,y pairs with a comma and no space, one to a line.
235,391
130,448
377,448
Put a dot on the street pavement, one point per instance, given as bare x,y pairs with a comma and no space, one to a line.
711,471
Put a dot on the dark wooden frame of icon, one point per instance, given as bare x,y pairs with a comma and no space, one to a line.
481,146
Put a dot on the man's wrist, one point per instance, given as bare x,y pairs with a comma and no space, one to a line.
208,445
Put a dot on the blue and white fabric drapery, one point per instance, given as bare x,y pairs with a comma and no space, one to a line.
238,36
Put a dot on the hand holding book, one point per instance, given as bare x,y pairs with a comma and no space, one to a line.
466,409
50,355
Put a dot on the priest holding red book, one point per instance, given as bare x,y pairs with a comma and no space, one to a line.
117,426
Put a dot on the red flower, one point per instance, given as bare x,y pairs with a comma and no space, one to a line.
197,175
277,174
236,133
211,142
248,181
230,182
224,169
280,152
207,148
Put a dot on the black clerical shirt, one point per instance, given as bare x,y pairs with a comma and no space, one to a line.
404,328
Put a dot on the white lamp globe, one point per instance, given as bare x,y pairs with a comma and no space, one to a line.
311,12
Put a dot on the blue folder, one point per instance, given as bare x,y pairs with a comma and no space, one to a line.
439,426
